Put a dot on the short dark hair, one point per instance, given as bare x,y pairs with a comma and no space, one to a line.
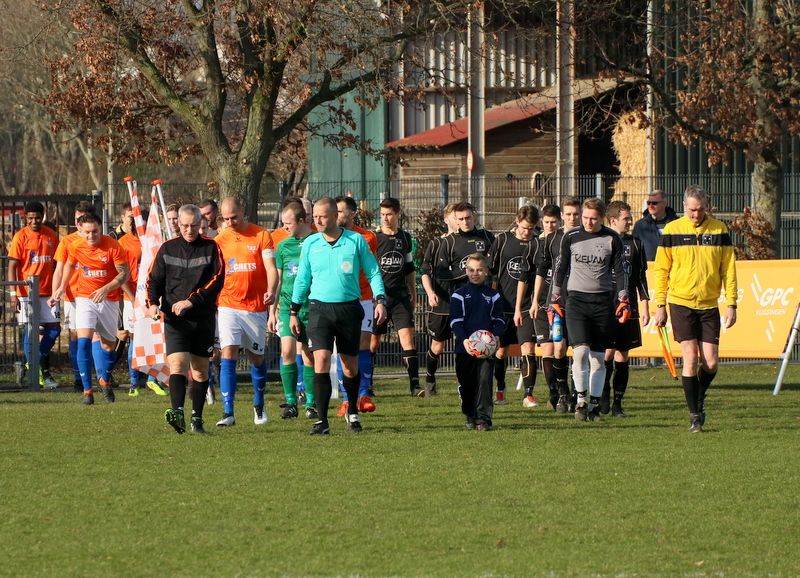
125,207
89,218
208,203
349,201
551,211
615,208
570,202
528,213
86,207
297,208
34,207
391,203
464,206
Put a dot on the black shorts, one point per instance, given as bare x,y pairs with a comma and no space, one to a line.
339,322
701,324
588,320
509,336
626,336
542,327
120,320
439,326
195,336
525,332
401,314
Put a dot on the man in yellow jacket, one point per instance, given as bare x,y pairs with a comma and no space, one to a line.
694,264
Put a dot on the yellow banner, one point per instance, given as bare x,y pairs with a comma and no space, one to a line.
769,292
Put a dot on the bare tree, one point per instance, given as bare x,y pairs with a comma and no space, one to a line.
724,73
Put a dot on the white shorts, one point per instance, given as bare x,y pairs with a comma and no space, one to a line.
102,317
127,316
247,329
47,314
369,316
69,315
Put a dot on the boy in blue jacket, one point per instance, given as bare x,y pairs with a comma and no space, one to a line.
472,307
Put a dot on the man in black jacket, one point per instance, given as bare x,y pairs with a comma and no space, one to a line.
654,218
186,277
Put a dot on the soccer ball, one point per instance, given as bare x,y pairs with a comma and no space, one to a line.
483,342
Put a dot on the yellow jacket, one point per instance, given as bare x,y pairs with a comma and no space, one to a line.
694,264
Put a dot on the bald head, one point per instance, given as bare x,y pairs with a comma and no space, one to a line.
233,214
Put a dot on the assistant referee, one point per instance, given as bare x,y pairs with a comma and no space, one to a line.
328,275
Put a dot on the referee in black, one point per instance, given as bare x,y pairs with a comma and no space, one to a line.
185,279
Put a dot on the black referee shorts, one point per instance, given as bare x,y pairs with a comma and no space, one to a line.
701,324
195,336
339,322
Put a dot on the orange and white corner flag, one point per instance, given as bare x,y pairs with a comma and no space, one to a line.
149,346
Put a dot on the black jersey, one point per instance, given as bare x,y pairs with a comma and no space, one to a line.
435,266
635,263
458,246
396,261
590,262
509,258
544,267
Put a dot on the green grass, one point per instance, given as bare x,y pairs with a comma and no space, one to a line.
110,490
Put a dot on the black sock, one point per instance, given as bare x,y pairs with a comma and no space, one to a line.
431,365
500,373
594,401
691,389
411,361
199,389
560,371
705,379
621,372
607,383
528,368
351,388
44,363
177,390
322,394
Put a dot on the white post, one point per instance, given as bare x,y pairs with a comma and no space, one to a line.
787,353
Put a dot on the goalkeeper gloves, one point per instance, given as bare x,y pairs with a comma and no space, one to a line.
623,312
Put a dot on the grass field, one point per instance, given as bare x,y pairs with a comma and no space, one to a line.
110,490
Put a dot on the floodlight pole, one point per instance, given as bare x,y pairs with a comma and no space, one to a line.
477,107
565,111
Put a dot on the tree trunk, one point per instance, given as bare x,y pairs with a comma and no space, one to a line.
767,183
240,175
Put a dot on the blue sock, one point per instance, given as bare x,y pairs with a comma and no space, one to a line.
365,364
301,386
111,360
51,333
134,373
26,346
83,355
227,384
99,357
259,375
340,377
73,359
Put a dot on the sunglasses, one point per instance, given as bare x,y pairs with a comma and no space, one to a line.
653,203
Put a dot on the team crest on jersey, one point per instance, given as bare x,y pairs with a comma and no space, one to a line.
480,246
104,259
627,250
706,239
252,248
487,298
347,266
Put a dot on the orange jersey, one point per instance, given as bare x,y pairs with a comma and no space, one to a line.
62,254
133,250
97,266
35,251
245,275
278,235
372,241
